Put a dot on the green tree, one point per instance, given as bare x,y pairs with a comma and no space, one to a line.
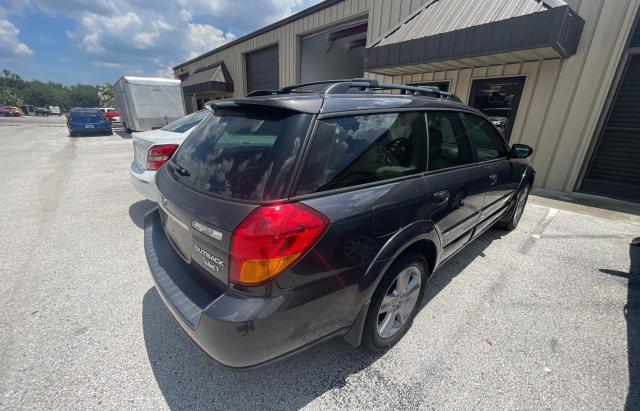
10,98
13,88
105,95
84,95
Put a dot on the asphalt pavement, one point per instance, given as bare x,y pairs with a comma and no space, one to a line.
539,318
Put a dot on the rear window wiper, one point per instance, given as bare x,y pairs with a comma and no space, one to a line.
180,170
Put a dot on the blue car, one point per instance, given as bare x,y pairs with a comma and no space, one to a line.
87,121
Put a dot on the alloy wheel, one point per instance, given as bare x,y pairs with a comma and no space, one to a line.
399,301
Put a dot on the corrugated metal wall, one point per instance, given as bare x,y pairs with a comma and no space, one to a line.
563,99
383,15
449,15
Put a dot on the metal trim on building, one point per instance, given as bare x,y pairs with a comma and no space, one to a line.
226,86
558,29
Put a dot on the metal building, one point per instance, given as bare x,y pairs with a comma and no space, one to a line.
561,76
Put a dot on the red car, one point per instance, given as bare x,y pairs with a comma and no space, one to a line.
111,113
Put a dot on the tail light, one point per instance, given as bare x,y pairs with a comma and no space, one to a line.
158,155
271,239
69,119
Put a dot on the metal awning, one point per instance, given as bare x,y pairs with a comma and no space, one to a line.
450,34
214,77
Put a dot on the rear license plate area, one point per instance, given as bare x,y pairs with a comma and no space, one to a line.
88,126
179,235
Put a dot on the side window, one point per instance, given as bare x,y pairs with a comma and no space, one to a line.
449,144
347,151
489,144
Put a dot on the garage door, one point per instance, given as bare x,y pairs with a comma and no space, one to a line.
262,69
615,167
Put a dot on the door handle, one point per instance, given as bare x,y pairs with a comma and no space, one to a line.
493,179
441,197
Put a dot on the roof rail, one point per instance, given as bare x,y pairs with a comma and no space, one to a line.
362,85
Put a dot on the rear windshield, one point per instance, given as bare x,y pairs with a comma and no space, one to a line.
245,155
85,112
186,123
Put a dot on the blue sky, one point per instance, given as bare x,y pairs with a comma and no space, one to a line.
97,41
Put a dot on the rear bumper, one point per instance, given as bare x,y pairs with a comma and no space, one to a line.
143,182
234,329
97,128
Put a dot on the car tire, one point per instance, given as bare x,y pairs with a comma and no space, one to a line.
385,326
512,218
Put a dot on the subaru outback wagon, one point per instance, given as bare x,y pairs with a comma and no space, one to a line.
293,216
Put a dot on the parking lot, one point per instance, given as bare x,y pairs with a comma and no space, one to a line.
547,316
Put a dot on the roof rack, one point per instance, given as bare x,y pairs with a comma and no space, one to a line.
361,85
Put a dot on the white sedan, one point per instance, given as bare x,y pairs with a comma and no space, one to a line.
151,149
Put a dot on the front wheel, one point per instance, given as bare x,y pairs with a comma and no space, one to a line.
512,218
395,302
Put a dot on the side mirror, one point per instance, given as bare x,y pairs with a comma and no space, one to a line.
520,151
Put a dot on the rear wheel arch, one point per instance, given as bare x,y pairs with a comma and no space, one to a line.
420,236
428,249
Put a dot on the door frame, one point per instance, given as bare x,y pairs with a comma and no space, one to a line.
473,88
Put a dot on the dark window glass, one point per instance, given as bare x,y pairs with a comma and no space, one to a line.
85,112
186,123
489,144
243,154
353,150
449,144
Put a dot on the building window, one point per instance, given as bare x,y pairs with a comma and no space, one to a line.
498,99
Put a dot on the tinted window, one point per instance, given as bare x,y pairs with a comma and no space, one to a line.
489,144
85,112
449,144
245,155
353,150
186,123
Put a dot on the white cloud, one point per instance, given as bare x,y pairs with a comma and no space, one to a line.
10,45
204,37
107,64
185,15
145,39
165,72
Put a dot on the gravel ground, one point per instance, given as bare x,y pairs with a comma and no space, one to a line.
531,319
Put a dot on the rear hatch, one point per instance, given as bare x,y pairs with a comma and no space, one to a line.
230,164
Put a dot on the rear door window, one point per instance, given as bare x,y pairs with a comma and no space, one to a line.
186,123
449,145
242,154
84,112
348,151
489,145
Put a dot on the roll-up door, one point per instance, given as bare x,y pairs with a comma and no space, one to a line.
615,167
262,69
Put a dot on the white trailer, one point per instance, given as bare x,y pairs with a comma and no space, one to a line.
146,103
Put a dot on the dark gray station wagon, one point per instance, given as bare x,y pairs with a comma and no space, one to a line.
317,211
